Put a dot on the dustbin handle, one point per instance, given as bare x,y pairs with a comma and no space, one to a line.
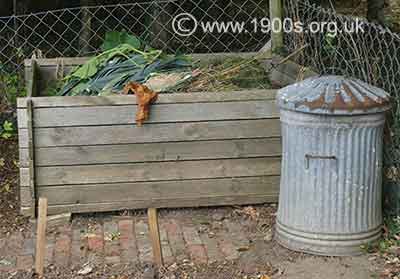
308,157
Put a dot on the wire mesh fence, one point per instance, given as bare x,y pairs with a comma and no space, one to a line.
372,55
80,31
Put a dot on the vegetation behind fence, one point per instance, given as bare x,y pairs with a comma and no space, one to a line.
80,31
372,56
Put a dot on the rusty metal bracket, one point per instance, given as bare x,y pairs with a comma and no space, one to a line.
308,157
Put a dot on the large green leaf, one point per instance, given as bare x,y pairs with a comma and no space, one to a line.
115,38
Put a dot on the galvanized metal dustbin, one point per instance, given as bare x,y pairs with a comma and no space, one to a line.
330,192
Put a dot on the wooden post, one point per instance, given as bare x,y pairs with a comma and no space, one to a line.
86,30
276,18
155,236
31,81
31,158
31,76
41,237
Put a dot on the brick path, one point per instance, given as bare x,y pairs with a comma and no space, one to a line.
122,240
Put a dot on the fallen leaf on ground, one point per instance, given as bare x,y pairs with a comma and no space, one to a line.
249,211
85,270
5,263
242,249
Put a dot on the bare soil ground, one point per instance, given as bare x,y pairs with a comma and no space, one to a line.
10,219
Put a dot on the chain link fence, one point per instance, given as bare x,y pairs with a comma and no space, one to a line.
80,31
372,55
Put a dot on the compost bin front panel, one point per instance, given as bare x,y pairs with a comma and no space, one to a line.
196,149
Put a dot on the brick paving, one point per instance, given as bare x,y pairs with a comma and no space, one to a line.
124,240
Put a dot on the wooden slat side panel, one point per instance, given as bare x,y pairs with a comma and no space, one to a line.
24,179
154,152
23,138
125,134
25,193
25,197
176,98
157,171
124,192
115,115
164,203
23,157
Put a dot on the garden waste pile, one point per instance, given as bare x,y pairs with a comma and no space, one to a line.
125,59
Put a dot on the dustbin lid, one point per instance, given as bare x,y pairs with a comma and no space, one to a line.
333,95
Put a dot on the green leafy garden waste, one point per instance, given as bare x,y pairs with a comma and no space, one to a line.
125,58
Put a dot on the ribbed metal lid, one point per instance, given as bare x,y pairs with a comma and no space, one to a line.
333,95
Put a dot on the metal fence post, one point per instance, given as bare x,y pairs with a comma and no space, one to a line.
276,17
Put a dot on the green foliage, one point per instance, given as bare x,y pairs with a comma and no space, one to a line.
12,86
91,67
7,130
114,39
390,238
53,88
329,43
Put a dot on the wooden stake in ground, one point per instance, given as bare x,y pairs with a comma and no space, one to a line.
41,237
155,236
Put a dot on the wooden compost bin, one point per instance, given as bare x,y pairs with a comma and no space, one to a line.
86,154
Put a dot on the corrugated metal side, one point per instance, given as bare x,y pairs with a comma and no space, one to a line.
326,198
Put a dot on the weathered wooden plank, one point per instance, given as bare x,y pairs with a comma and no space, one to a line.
25,196
141,191
154,152
24,177
23,157
112,115
76,61
157,171
66,61
31,153
154,233
31,80
115,100
124,134
23,138
195,201
276,15
41,237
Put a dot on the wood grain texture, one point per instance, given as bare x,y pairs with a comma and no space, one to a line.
24,177
197,149
76,61
41,237
164,113
157,171
177,98
32,79
159,190
25,196
276,15
168,132
31,153
196,201
154,152
155,236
